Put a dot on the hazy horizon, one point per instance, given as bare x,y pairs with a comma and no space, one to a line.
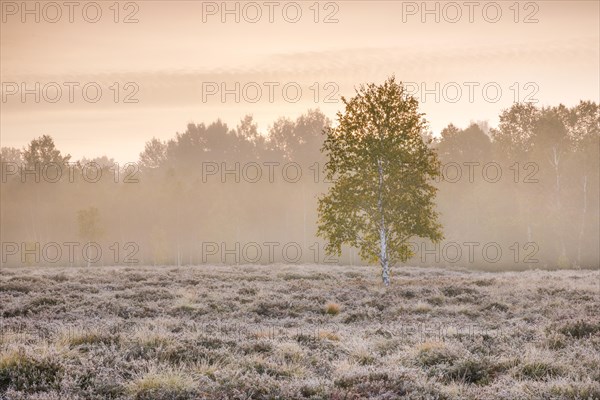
170,53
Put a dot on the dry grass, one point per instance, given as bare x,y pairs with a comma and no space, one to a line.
332,309
273,332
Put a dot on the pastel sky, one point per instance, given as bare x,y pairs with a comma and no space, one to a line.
178,51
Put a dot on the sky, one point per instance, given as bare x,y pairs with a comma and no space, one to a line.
102,78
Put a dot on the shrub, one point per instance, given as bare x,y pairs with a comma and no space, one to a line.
539,370
29,374
382,385
266,367
484,282
259,346
470,370
408,294
576,390
355,317
431,353
495,306
580,329
422,308
91,339
556,341
246,291
436,300
363,357
171,385
329,336
15,287
290,352
275,310
453,291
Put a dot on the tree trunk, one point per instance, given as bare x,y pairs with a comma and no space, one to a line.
385,265
383,258
304,236
583,218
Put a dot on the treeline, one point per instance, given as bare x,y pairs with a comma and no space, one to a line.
524,195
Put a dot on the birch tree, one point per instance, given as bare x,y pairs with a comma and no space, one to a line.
382,172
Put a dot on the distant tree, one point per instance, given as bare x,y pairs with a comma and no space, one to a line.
103,162
381,167
283,137
512,145
299,140
222,143
11,155
88,220
252,143
515,130
43,151
463,152
583,126
470,144
39,154
309,129
201,143
550,145
154,154
248,129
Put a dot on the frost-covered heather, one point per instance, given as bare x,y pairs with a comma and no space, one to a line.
290,332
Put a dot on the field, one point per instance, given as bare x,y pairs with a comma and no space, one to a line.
290,332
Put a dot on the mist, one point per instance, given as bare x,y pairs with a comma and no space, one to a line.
299,200
523,195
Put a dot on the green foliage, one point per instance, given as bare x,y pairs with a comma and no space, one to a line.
381,168
154,154
11,155
43,151
515,131
546,159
